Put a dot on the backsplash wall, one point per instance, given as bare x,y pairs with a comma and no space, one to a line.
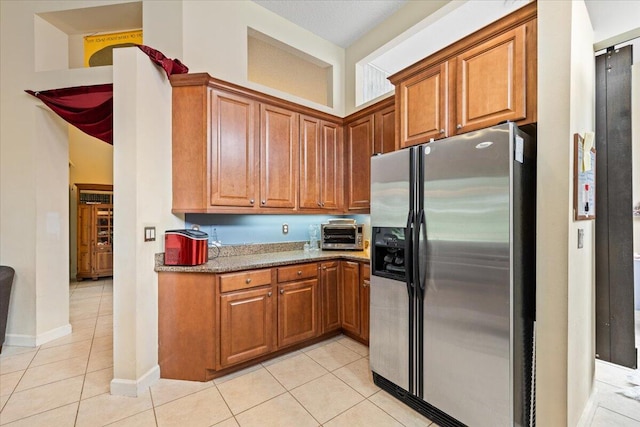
241,229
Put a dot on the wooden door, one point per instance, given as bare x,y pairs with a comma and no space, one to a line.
491,82
329,285
331,155
359,150
278,157
350,293
385,130
85,226
297,312
310,164
365,289
246,325
424,106
234,156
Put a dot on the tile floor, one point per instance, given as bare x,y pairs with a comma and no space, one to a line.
66,383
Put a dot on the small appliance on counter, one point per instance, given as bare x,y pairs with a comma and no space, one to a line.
185,247
342,234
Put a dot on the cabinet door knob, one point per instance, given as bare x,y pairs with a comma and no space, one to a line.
323,204
441,130
248,281
252,201
264,202
319,204
281,291
299,272
324,267
459,126
269,294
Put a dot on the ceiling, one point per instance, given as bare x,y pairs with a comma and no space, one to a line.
345,21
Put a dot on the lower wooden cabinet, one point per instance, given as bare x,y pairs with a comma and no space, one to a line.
246,325
330,289
210,323
350,292
297,312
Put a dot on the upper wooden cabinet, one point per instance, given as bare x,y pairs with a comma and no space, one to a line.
237,151
384,138
482,80
321,164
234,151
359,150
278,157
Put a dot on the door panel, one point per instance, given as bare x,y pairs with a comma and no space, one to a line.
309,162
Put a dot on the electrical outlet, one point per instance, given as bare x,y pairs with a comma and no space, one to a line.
285,228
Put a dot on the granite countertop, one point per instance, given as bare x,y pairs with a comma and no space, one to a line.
247,257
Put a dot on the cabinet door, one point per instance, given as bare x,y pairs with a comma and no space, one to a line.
278,157
310,166
359,148
234,160
491,82
350,292
84,240
329,285
297,312
365,289
424,106
246,325
331,189
385,131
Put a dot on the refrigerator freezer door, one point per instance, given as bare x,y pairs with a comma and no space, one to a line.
467,323
389,337
390,190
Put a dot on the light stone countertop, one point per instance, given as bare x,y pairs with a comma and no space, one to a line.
260,256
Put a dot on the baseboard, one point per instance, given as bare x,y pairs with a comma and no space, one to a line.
20,340
133,388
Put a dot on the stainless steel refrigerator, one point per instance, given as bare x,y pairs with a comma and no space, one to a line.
453,277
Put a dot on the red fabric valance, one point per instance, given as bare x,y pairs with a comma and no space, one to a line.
90,108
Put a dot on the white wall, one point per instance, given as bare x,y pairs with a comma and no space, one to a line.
215,41
34,191
565,275
581,283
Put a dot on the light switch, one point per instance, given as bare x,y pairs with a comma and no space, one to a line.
149,234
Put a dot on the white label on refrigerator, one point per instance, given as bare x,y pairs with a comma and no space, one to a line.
519,149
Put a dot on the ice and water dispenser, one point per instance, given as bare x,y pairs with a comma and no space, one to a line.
389,247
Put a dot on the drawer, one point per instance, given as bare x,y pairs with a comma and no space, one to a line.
297,272
244,280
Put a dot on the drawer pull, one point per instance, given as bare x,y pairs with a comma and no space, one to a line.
252,201
248,281
269,294
281,291
299,272
366,283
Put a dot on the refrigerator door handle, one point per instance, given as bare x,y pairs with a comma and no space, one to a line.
419,254
408,247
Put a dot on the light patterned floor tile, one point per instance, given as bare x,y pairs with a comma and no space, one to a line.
355,346
3,400
322,343
296,371
102,344
231,422
358,376
283,410
40,399
143,419
105,408
82,324
614,375
326,397
64,416
203,408
609,397
96,383
78,350
77,335
13,350
250,390
229,377
281,358
100,360
606,418
364,414
165,391
16,362
398,410
8,382
52,372
333,356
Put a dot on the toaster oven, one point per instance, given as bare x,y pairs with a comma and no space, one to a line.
341,234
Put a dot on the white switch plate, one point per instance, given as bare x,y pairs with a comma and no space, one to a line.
149,234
